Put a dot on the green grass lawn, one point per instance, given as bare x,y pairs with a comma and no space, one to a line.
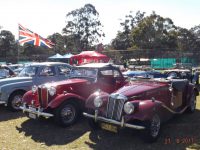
17,132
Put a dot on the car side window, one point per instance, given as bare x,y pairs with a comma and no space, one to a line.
48,71
63,70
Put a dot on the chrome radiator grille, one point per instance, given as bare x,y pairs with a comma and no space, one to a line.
43,96
114,108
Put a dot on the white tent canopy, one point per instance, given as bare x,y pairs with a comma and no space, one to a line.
56,56
68,55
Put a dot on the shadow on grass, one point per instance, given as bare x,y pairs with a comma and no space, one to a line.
6,114
181,132
45,131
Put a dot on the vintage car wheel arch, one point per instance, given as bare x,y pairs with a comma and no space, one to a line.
15,99
65,98
148,111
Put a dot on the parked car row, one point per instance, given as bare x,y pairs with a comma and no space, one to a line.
101,93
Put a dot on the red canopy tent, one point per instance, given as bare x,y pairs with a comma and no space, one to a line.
88,57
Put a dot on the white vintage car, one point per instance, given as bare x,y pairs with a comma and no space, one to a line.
12,89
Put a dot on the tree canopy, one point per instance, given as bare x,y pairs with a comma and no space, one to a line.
84,26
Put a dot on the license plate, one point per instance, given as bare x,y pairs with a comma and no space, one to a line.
33,116
109,127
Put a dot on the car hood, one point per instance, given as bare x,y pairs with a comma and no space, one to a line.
138,88
14,79
66,82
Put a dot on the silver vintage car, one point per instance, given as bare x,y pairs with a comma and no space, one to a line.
12,89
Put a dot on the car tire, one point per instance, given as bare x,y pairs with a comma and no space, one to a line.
93,125
66,114
192,105
15,100
152,131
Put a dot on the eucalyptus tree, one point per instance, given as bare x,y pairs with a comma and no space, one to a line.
153,32
123,39
8,44
59,42
84,25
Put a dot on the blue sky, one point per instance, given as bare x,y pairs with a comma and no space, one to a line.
46,17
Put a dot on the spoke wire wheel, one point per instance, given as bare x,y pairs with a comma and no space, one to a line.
155,126
16,101
68,114
193,103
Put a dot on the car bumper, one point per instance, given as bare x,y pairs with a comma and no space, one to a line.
122,123
37,112
2,102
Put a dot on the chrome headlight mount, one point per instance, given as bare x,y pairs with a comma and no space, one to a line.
52,91
34,89
98,102
129,108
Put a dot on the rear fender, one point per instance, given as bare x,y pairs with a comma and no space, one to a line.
145,110
66,97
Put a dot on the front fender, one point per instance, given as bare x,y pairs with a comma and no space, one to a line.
8,89
65,97
90,100
145,110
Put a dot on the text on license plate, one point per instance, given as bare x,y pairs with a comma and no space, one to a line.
33,116
109,127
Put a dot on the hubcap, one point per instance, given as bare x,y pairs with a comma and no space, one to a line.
155,126
16,102
68,114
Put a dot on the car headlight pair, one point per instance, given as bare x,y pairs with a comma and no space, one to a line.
128,106
51,90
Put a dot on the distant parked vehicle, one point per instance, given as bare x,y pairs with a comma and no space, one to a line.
6,72
146,74
12,89
16,67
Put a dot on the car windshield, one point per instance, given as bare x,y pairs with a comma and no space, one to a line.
84,72
28,71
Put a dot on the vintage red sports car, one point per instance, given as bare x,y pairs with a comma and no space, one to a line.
142,104
65,100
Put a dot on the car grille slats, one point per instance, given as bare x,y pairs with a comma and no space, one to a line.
43,96
114,108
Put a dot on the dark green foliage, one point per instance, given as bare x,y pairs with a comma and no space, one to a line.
83,27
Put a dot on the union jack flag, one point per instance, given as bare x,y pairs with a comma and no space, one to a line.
27,36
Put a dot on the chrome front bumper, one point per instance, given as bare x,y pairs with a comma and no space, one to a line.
37,112
122,123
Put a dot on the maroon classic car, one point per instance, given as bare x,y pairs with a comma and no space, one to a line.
65,100
142,104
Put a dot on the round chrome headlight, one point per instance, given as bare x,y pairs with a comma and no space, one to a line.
52,91
129,108
98,102
34,89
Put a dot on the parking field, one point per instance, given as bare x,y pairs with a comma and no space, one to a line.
17,132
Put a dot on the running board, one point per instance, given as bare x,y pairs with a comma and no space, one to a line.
174,112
